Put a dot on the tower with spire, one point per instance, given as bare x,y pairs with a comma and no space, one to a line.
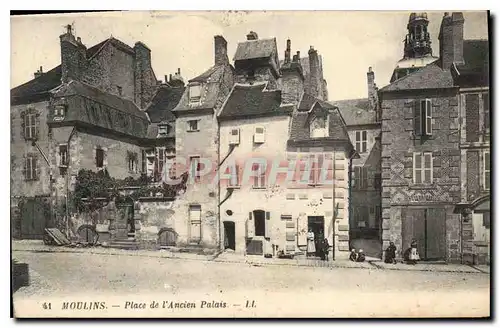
417,47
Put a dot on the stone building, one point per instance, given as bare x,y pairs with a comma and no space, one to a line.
362,117
196,144
472,77
87,113
422,163
267,122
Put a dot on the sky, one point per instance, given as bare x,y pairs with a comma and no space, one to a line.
349,41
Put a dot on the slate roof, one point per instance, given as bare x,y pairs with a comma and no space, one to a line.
92,106
356,111
210,80
38,88
428,77
162,104
254,49
251,101
300,130
475,71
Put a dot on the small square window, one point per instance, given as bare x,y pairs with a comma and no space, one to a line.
193,125
63,155
163,129
195,93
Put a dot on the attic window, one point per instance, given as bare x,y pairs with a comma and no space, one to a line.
163,129
195,93
318,128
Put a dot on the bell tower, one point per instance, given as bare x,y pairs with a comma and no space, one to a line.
418,41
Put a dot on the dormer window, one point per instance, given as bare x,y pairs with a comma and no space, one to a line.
59,112
318,128
163,129
194,93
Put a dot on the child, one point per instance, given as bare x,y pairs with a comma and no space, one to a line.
353,256
390,253
414,257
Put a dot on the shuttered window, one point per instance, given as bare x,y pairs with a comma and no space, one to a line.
30,128
361,141
31,167
234,172
259,180
422,117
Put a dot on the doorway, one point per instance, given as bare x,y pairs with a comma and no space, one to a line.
316,224
260,222
229,235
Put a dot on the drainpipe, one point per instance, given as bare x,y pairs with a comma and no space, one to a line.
67,181
334,216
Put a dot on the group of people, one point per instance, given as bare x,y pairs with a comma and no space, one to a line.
358,256
317,247
410,256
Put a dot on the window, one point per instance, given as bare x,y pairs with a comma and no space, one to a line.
259,180
486,220
160,162
422,117
315,165
195,167
59,112
144,161
63,155
119,90
318,128
361,138
31,168
360,177
99,158
422,168
30,128
259,136
133,162
163,129
486,170
377,183
192,125
234,171
286,217
195,93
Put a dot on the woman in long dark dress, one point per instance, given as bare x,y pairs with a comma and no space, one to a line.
390,253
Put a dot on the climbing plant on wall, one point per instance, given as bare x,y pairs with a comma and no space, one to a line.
93,190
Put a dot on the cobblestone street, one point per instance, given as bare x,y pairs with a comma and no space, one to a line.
343,289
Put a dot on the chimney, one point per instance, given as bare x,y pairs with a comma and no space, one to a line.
451,40
298,56
39,72
314,73
73,55
252,36
220,50
142,64
287,51
372,92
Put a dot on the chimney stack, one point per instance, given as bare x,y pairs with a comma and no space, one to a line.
252,36
451,40
73,55
314,73
39,72
220,50
372,92
142,63
288,50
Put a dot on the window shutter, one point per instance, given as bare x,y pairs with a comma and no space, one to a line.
36,129
428,117
472,117
486,107
268,225
23,124
417,118
35,168
25,168
250,226
364,141
355,176
427,166
302,230
369,177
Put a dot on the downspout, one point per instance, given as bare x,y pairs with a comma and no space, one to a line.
67,182
334,216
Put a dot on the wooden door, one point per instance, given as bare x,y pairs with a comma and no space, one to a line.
413,227
33,220
124,211
435,248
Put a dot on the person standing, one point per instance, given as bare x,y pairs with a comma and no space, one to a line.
325,248
311,247
414,256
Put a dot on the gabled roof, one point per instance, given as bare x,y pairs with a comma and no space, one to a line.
254,49
162,104
356,111
38,88
300,127
431,76
246,101
475,70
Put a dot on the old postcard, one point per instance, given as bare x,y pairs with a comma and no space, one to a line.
250,164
